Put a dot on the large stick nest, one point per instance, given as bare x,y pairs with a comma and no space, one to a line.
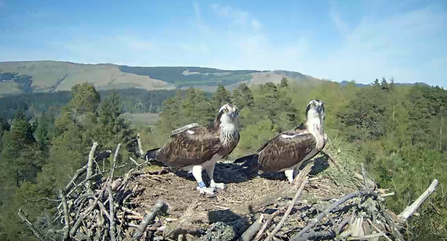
154,203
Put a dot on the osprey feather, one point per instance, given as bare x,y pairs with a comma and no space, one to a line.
194,148
289,149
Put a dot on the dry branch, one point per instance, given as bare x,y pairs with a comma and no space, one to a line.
88,184
266,225
112,213
295,198
252,230
332,207
36,232
147,219
410,210
66,216
140,147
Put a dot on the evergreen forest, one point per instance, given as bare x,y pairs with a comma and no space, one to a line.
397,131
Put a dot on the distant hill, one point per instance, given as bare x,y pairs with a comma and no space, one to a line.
52,76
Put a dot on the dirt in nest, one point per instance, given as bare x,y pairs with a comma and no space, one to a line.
246,195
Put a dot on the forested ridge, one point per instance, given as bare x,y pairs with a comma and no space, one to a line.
133,100
397,131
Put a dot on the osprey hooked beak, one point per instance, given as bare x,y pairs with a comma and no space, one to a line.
317,106
230,110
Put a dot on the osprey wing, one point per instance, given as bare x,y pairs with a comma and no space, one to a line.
286,150
191,147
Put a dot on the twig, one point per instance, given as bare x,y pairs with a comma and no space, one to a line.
295,198
370,236
378,230
36,232
66,217
394,229
88,184
266,225
112,214
135,162
147,219
330,208
72,183
82,216
252,230
131,211
410,210
321,235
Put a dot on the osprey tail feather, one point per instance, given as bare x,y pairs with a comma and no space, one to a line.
250,161
152,154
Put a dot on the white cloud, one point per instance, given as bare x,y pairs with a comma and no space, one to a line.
340,25
238,17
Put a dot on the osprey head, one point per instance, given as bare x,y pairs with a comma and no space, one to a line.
228,113
315,109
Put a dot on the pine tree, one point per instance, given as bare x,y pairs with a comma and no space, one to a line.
20,160
242,97
220,97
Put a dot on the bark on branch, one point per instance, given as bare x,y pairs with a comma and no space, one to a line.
36,232
147,219
88,184
289,209
410,210
330,208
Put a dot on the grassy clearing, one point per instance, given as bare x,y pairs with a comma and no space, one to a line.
142,119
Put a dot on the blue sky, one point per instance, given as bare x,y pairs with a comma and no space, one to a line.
340,40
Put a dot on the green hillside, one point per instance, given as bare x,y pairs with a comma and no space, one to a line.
52,76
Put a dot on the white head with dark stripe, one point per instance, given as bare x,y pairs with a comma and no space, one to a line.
315,110
227,120
228,114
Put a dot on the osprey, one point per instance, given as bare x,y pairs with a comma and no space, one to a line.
289,149
196,147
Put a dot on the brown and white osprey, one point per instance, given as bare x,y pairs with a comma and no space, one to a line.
195,147
289,149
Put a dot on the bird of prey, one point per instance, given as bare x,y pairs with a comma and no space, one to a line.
196,147
289,149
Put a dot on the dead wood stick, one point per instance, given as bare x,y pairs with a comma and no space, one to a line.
81,218
410,210
82,183
252,230
36,232
321,235
140,147
378,230
394,229
72,182
134,162
131,211
112,214
369,236
66,217
147,219
104,210
114,162
286,214
88,184
330,208
266,225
